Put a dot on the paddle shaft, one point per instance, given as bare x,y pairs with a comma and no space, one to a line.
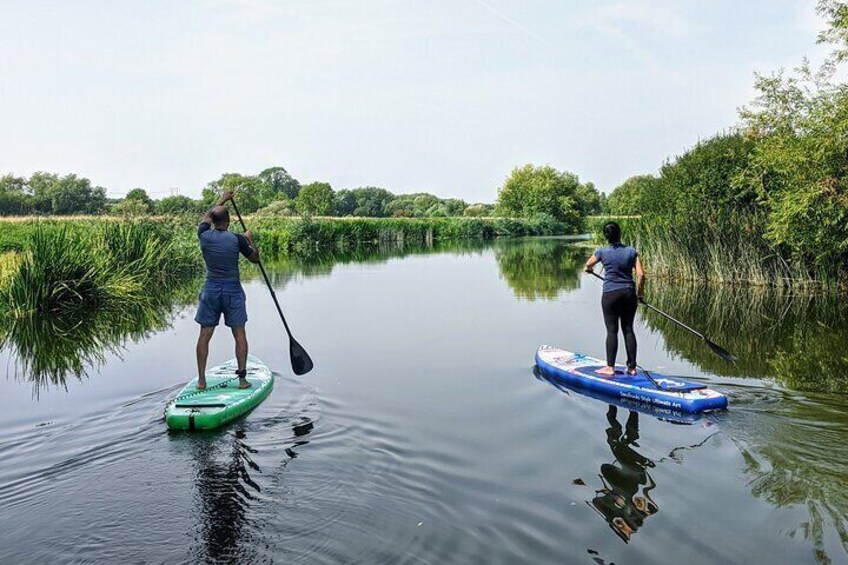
661,313
718,350
264,274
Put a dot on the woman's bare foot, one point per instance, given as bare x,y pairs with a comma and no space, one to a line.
631,372
606,371
201,385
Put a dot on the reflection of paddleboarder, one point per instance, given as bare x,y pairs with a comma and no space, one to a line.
226,491
625,501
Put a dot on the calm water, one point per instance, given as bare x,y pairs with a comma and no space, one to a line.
423,435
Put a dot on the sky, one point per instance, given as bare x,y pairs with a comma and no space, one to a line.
443,96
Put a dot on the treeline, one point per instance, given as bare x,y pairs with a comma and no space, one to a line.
766,202
272,192
528,192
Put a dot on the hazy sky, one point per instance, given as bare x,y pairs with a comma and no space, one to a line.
444,96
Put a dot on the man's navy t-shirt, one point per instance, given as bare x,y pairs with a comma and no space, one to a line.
618,261
221,249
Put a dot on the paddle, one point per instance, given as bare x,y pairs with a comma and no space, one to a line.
300,360
721,352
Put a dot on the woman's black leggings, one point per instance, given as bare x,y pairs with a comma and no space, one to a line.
620,306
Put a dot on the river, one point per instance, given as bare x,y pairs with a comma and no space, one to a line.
423,435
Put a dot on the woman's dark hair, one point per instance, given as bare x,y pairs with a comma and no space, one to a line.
612,232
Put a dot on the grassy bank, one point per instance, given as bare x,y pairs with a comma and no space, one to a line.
285,236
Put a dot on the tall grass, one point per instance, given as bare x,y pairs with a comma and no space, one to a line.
727,249
107,266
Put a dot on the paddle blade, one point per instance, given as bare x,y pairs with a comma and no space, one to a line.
726,355
300,360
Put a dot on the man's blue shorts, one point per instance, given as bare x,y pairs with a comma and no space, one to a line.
221,297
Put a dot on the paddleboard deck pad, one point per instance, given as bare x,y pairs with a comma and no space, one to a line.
222,401
579,371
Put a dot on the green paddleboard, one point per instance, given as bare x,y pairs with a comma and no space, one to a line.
222,401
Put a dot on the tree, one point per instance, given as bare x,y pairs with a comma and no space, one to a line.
140,195
250,192
371,201
40,186
344,203
277,180
176,204
315,198
588,199
479,210
130,207
626,199
454,206
14,199
798,172
75,195
530,191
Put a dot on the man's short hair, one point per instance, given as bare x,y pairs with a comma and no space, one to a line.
219,215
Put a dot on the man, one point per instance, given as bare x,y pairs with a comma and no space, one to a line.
222,292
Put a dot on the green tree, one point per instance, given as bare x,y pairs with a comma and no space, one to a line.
250,192
130,208
40,186
277,180
75,195
479,210
140,195
529,191
315,198
176,204
799,171
588,199
14,199
626,199
371,201
344,203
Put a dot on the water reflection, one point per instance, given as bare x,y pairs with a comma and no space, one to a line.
794,454
49,350
799,340
624,499
226,491
283,269
540,268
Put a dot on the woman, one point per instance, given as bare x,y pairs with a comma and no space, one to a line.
621,294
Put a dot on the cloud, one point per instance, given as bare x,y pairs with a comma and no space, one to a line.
632,24
645,14
521,27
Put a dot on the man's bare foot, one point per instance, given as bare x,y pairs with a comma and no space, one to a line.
201,385
631,372
606,371
244,383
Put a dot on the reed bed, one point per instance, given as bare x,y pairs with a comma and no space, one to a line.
730,249
111,265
